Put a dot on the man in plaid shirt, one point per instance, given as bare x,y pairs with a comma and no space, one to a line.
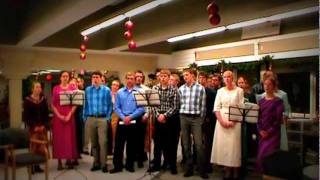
192,113
167,125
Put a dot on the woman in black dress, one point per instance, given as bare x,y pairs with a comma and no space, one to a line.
35,115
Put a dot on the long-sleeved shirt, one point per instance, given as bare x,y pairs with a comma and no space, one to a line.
169,100
126,104
192,99
35,113
98,101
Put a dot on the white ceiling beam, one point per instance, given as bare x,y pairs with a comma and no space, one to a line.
59,18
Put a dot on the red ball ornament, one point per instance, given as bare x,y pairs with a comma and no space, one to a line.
132,45
214,19
49,77
83,47
129,25
85,38
83,55
128,35
212,8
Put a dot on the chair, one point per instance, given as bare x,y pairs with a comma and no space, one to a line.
282,165
13,139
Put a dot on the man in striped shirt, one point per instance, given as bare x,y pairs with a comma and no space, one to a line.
167,125
97,111
192,112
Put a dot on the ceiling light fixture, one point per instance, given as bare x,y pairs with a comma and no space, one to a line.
197,34
121,17
209,31
246,23
274,17
180,38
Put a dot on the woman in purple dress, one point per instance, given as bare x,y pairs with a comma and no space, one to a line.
270,117
63,125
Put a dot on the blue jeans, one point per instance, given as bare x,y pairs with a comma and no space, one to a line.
193,125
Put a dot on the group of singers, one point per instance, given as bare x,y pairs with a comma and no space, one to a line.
197,111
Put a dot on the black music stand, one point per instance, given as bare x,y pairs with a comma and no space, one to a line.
148,99
71,98
241,114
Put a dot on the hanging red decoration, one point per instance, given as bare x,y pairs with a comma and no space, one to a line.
83,55
85,38
129,25
212,8
214,19
83,48
128,35
49,77
132,44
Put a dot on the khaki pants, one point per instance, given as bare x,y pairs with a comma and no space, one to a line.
98,133
86,136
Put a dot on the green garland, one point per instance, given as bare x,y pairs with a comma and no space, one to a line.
222,65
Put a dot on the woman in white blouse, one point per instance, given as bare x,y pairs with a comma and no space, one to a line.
226,149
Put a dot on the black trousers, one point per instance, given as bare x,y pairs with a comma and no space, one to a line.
141,155
166,139
125,134
208,132
79,129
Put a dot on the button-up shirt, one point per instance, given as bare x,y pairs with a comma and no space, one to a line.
192,99
98,102
169,100
126,104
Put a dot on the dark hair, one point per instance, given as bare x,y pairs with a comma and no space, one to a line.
96,73
191,71
80,76
218,76
64,72
203,74
139,71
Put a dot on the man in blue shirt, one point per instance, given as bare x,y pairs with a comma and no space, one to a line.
97,111
129,113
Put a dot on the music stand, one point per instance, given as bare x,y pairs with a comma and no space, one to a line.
73,98
247,112
148,99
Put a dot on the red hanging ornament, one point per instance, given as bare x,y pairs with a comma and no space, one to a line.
83,55
49,77
129,25
128,35
85,38
83,48
214,19
212,8
132,44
